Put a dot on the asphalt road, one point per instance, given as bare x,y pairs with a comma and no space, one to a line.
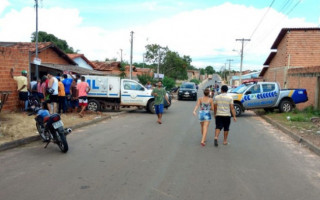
131,157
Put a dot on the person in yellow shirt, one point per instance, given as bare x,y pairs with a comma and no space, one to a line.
62,97
223,108
22,88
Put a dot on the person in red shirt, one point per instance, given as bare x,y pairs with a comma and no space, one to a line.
83,90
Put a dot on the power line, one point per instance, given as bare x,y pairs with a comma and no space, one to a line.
263,17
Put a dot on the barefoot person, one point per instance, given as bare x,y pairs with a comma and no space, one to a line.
83,90
205,104
223,107
159,94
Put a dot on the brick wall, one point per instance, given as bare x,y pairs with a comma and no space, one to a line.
298,49
11,58
306,77
19,59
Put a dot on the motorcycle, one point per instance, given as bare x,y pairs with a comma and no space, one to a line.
50,128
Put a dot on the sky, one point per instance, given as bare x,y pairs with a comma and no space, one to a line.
205,30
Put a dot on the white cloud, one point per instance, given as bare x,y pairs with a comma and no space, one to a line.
3,5
207,35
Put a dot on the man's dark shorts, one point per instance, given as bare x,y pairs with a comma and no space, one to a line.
53,99
223,122
23,96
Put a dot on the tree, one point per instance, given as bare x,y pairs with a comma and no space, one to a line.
112,59
210,70
46,37
144,78
155,53
202,71
168,83
174,66
196,81
123,71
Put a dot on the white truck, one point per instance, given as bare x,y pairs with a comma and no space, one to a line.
111,91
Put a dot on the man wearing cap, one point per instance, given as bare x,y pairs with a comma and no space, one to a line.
22,83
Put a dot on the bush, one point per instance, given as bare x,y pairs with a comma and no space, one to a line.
168,83
144,78
196,81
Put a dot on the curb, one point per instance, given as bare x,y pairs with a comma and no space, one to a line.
293,135
28,140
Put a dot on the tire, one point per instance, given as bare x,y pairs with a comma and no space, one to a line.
94,105
285,106
238,109
179,98
195,98
41,132
268,109
151,107
62,141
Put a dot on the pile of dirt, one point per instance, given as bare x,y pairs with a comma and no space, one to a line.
15,126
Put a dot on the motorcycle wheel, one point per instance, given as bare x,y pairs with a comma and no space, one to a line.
62,141
41,132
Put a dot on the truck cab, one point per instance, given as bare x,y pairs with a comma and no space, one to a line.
266,95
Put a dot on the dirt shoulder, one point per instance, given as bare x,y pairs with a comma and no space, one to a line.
14,126
302,125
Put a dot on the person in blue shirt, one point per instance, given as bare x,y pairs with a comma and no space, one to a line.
67,84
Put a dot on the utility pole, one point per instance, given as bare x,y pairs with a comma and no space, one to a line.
131,54
37,70
242,41
143,60
159,57
121,55
229,60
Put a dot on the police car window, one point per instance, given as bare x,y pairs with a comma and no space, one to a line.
268,87
255,89
128,85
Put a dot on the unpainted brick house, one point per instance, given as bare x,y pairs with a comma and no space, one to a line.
20,55
295,62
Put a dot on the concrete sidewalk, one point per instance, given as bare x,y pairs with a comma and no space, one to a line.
293,135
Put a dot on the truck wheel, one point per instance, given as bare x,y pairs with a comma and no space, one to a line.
237,108
285,106
151,107
93,105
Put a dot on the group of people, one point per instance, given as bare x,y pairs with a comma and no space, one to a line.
57,94
222,106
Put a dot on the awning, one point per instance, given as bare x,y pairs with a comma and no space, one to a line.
72,68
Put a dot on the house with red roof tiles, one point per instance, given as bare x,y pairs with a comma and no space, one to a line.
82,61
20,56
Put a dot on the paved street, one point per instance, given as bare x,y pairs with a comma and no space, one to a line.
131,157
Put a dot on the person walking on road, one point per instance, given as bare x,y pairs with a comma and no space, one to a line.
205,104
223,107
159,94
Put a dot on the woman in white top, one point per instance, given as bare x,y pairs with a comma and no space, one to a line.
205,104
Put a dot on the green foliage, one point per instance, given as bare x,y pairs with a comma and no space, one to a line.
123,71
168,83
210,70
171,63
196,81
112,59
174,66
144,78
46,37
202,71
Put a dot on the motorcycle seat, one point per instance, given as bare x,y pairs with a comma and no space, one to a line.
45,119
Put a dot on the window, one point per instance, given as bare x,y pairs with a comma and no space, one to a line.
129,85
268,87
254,89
